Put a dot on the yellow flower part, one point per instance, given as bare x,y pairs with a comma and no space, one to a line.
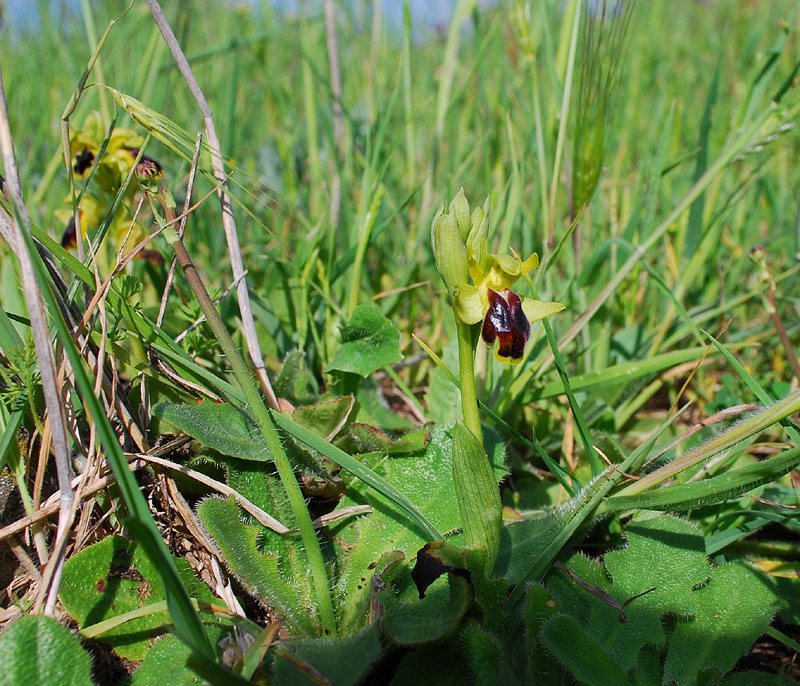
120,153
460,241
89,213
506,316
121,150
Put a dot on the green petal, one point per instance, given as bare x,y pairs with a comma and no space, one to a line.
509,264
539,309
531,263
469,306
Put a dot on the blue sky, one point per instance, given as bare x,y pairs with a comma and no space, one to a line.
424,12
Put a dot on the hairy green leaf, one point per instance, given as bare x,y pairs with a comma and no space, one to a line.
325,656
369,342
260,572
219,426
38,650
734,609
113,577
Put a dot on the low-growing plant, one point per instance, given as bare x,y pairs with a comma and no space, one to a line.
360,507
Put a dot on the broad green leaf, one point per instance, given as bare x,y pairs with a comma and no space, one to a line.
359,470
581,653
655,575
165,664
665,554
490,593
410,621
789,593
440,663
423,478
265,490
752,678
524,541
113,577
369,342
541,606
477,494
574,600
38,650
219,426
621,608
325,655
734,609
485,656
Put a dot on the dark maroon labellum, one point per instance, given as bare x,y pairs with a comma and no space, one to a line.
83,160
69,239
506,323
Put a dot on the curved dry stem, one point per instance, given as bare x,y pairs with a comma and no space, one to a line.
228,220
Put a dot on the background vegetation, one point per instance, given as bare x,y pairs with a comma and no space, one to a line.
693,225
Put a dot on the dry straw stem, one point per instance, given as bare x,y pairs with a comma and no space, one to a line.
338,124
228,220
258,514
181,228
41,339
144,387
137,459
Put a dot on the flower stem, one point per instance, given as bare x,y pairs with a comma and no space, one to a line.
466,373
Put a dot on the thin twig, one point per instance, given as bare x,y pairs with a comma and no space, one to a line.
25,561
228,220
51,505
342,513
261,517
181,228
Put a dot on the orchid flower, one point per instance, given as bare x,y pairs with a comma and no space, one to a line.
481,282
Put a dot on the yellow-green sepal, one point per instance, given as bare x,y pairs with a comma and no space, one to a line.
539,309
469,304
449,251
459,207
